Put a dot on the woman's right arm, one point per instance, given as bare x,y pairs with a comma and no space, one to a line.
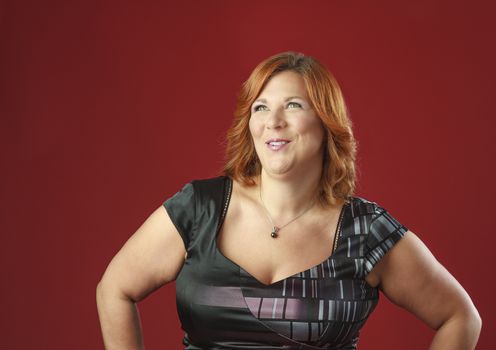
152,257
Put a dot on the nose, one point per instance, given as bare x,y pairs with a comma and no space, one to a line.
276,120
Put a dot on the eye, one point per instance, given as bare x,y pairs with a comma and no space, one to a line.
259,108
294,105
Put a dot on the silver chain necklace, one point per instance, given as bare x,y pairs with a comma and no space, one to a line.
275,228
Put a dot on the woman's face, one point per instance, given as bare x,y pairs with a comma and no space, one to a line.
287,133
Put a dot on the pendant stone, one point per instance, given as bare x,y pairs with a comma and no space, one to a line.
275,229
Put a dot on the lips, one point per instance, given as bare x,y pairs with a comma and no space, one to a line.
277,144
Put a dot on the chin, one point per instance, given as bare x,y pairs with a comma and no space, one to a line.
278,169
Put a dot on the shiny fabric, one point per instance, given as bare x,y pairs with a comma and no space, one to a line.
221,306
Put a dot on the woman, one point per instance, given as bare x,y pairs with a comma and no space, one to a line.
277,253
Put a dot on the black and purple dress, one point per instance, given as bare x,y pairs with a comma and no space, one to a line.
221,306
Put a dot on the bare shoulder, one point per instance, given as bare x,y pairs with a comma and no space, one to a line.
410,250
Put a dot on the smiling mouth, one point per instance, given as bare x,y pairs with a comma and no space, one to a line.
276,145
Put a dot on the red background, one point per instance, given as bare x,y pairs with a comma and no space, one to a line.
107,109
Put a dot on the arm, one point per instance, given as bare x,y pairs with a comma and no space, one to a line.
412,278
152,257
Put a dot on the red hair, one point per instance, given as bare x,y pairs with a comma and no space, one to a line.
338,171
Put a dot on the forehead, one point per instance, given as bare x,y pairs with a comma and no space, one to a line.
283,84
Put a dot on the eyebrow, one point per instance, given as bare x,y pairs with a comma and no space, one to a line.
263,100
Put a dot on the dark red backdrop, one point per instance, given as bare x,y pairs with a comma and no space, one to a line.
108,109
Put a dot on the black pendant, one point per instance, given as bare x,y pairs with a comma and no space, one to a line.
273,234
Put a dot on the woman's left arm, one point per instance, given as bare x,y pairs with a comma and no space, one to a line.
411,277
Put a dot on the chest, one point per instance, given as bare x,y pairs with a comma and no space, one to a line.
245,239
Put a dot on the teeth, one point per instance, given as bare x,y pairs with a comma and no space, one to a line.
278,143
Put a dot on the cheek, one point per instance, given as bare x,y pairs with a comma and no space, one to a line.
312,127
320,131
314,134
255,127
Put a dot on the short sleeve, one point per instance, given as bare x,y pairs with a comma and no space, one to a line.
181,210
384,232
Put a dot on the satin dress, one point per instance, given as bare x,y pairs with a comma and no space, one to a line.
221,306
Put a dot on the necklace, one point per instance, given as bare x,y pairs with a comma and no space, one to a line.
275,228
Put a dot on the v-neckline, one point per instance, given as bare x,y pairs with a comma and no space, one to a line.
226,200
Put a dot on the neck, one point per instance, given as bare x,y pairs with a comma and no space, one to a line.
287,197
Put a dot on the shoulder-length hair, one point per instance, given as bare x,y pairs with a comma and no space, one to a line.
338,171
